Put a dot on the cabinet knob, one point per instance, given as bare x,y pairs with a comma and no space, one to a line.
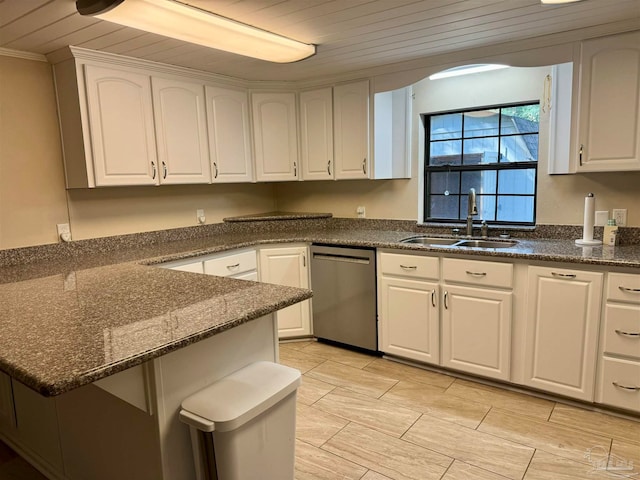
329,167
476,274
629,290
295,169
215,170
364,165
563,275
433,298
164,170
153,170
446,300
627,334
580,153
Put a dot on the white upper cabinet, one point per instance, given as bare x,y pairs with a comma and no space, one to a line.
609,104
122,136
229,134
181,131
275,136
316,134
351,130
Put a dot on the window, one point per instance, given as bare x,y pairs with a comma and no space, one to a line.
493,150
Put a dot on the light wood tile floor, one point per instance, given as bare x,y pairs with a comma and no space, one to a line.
361,417
369,418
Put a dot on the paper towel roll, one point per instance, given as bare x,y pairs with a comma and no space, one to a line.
589,221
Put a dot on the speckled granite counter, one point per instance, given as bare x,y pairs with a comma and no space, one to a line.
63,307
276,216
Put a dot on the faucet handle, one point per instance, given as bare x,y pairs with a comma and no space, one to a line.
484,229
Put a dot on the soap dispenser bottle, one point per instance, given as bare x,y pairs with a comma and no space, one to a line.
610,235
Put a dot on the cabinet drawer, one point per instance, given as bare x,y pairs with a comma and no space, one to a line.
193,265
475,272
415,266
622,330
623,287
231,264
620,385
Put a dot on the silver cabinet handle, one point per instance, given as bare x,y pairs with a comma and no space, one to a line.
433,298
364,165
630,290
563,275
153,167
446,300
215,170
164,170
624,387
295,169
408,267
477,274
329,167
627,334
581,150
234,266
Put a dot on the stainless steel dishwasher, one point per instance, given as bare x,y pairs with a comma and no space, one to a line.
343,281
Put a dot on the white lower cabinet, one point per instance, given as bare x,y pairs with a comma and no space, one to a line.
288,266
619,367
476,317
408,306
563,312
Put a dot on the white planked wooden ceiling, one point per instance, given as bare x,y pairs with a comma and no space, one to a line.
352,35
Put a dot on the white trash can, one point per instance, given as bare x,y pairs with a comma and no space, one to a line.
243,426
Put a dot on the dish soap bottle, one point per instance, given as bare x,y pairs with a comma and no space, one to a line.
610,235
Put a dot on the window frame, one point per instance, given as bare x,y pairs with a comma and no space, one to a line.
497,166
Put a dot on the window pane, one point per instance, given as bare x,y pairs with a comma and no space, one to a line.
515,209
519,148
523,119
480,150
447,126
442,206
517,181
483,181
445,153
481,123
444,183
486,207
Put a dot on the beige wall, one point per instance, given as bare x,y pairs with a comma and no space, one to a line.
560,198
32,195
33,198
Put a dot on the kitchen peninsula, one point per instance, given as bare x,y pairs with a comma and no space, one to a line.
76,325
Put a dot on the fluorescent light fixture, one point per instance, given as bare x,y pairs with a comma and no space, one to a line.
466,70
190,24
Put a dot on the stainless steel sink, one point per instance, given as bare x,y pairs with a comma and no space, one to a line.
457,242
430,240
486,243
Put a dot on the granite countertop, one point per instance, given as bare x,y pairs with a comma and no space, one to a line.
277,216
73,316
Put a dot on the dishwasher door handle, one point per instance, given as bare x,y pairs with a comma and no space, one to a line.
341,258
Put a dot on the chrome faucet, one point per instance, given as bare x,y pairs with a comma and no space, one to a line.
472,209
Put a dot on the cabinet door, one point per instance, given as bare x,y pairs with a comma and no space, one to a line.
181,132
316,134
7,409
351,126
476,331
563,309
121,122
275,136
609,116
288,266
408,317
229,134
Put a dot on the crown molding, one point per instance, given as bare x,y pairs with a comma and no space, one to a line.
8,52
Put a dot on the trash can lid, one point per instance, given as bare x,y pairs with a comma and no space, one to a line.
237,398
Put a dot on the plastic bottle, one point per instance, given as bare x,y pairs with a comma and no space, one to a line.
610,235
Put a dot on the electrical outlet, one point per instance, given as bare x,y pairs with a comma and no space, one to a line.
200,216
361,212
601,218
64,232
620,216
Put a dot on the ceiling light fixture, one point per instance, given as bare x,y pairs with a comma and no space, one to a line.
558,2
190,24
466,70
